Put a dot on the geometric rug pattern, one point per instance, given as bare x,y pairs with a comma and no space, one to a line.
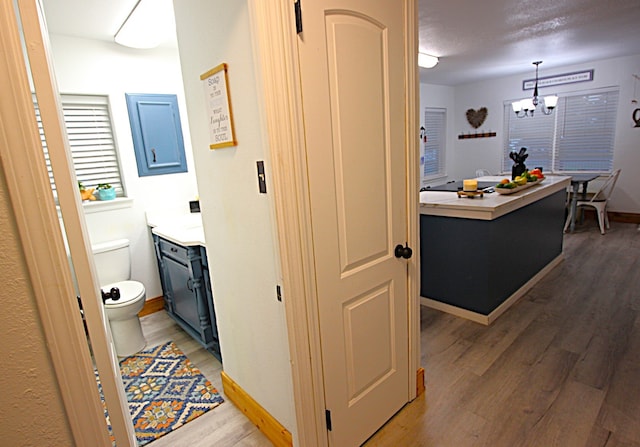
165,391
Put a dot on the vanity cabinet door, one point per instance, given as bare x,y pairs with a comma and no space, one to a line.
184,298
184,274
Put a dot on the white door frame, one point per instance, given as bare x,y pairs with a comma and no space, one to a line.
41,237
276,47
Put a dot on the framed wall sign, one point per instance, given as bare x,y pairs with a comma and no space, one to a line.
566,78
216,90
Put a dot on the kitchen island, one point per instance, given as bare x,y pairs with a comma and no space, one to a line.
479,255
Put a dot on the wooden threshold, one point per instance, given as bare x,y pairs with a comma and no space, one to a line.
152,305
267,424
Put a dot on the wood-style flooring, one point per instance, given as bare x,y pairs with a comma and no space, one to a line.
560,368
224,426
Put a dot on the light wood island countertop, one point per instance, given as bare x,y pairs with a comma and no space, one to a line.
491,205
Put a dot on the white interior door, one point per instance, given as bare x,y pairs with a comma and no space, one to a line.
352,70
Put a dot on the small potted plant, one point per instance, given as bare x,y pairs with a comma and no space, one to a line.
85,193
105,191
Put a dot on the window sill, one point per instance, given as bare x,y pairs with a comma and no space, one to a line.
107,205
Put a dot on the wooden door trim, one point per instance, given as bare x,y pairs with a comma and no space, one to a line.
276,47
278,78
42,244
66,332
413,187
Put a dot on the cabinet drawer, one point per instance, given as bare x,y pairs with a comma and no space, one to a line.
173,250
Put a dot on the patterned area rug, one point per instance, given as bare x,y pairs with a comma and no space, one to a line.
165,391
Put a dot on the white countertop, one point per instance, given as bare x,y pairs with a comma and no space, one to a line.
491,205
183,229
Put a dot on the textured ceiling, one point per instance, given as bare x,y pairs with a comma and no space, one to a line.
474,39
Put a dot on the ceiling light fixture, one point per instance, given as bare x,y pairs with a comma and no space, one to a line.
526,107
147,25
427,61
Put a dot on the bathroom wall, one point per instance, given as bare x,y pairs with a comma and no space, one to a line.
84,66
465,156
238,220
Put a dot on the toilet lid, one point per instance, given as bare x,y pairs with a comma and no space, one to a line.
129,291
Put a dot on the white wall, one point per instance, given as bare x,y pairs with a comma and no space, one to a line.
470,154
85,66
237,219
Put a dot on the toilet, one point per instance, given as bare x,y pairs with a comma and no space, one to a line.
113,264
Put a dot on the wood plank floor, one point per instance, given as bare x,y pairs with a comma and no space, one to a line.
224,426
559,368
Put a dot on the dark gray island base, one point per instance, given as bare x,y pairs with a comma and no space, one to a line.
477,266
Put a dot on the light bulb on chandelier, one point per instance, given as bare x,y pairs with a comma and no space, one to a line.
526,107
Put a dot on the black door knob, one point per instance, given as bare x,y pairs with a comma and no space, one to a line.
403,252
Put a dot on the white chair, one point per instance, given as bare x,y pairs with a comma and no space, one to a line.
599,201
482,172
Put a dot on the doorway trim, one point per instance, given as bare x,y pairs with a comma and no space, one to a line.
42,241
42,245
279,86
276,53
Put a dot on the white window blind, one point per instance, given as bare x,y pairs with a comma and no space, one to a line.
533,132
93,150
586,132
577,137
433,150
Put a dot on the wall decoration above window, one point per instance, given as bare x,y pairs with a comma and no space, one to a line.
561,79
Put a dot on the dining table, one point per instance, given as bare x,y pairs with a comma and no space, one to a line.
578,180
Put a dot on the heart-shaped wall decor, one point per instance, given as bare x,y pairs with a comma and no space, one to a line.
477,117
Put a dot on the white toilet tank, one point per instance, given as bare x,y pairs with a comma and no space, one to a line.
113,261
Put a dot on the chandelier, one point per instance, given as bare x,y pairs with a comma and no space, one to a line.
526,107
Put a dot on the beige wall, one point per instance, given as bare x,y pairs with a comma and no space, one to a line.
31,413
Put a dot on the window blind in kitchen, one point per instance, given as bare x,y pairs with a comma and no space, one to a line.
433,149
579,135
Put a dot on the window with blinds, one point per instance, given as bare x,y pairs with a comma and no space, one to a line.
577,137
434,144
88,122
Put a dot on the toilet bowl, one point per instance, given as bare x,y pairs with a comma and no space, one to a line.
122,314
113,264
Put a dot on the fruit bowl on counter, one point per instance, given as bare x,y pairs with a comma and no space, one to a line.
524,181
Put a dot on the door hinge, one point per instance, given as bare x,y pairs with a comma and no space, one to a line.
279,293
327,414
298,11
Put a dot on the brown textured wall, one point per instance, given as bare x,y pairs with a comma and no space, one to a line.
31,413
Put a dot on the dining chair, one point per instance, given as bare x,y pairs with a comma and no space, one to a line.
482,172
599,201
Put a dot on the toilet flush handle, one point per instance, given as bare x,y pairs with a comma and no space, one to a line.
114,294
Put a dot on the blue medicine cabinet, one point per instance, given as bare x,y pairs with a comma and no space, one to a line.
157,133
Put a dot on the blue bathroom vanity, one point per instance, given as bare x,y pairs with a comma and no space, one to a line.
184,273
